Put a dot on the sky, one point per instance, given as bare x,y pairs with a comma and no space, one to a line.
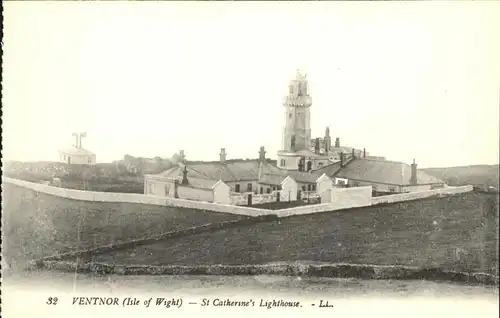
402,79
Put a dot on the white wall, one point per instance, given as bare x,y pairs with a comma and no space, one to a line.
78,159
323,184
326,196
221,193
384,187
190,193
341,199
291,162
159,187
307,209
289,189
418,188
136,198
420,195
243,186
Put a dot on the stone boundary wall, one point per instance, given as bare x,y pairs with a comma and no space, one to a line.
306,209
342,199
136,198
401,197
361,271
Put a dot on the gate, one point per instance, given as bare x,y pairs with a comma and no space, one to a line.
249,198
278,196
298,195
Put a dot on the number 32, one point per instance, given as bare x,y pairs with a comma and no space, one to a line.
52,301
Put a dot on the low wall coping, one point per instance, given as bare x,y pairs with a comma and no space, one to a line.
226,208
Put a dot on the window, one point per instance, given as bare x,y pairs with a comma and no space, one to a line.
261,190
249,187
268,190
282,162
237,188
90,160
279,188
274,188
167,189
313,187
356,184
392,189
303,188
309,187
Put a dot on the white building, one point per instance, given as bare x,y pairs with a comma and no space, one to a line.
196,189
77,155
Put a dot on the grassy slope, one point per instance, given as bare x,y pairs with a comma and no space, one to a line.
37,225
392,234
476,175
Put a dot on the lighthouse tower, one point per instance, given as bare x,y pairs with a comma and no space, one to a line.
297,129
296,138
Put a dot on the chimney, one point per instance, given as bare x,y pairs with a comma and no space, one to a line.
182,155
262,154
413,178
222,155
341,159
316,146
364,152
327,140
353,155
337,142
176,187
184,176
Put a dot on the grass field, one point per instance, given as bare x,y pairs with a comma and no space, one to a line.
457,233
37,225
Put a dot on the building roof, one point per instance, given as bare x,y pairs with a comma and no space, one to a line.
380,171
302,177
200,183
230,171
272,179
74,151
207,174
329,170
238,171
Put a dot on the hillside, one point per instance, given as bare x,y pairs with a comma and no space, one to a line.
474,175
37,225
457,233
